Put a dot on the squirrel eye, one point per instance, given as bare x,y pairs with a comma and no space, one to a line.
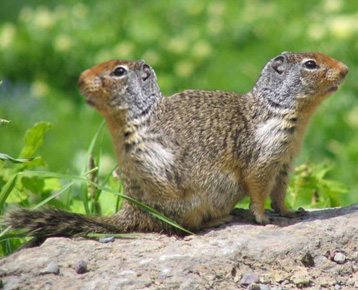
119,71
310,64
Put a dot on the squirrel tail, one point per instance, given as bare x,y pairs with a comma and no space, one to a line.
50,222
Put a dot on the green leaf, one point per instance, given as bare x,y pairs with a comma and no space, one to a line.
6,157
39,185
34,138
34,184
52,184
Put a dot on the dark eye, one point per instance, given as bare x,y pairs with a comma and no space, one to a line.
310,64
119,71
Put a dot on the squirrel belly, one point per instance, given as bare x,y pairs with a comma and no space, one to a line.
194,155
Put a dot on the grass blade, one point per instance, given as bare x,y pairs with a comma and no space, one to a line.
93,143
64,189
84,187
6,157
6,190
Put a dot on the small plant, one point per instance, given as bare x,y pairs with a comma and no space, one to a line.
25,190
311,188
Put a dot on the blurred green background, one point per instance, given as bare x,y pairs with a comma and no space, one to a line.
191,44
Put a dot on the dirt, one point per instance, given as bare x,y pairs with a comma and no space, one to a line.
318,251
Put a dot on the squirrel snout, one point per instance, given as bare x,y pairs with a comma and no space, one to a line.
343,70
337,73
81,81
89,83
82,85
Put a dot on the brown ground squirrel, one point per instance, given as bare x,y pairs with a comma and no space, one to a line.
194,155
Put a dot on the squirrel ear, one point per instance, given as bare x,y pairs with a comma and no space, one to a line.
146,71
278,64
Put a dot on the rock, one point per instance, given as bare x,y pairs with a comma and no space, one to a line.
51,268
280,276
301,279
339,258
254,287
2,273
278,256
106,240
80,267
249,278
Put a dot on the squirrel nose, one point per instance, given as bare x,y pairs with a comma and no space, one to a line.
344,70
81,80
80,83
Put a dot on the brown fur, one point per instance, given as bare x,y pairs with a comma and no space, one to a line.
194,155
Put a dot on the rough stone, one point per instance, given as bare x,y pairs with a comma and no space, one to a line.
213,259
80,267
339,257
249,278
106,240
51,268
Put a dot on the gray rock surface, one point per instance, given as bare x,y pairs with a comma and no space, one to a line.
318,251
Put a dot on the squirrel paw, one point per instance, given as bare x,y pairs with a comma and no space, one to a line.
262,219
300,212
217,222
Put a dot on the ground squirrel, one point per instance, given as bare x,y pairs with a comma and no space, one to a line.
194,155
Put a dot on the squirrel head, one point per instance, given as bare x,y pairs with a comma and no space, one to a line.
120,85
293,78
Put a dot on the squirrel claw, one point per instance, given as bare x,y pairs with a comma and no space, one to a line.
300,212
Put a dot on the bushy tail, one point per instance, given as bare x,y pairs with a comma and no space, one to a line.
50,222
